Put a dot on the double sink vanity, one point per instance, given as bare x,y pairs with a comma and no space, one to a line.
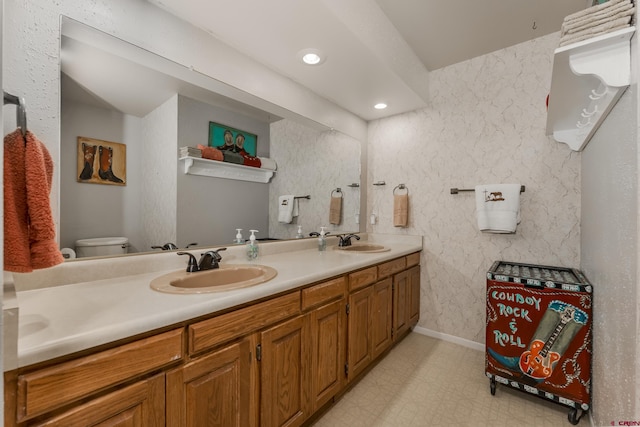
269,342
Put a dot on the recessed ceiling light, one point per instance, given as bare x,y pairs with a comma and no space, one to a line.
312,56
380,106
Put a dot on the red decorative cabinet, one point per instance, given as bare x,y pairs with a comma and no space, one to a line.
538,333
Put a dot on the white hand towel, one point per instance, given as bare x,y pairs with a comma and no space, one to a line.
498,207
286,209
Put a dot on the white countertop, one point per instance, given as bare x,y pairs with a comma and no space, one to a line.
66,318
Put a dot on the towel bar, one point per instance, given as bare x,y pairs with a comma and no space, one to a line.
457,190
308,196
21,110
400,187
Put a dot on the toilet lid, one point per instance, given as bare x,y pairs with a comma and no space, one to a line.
102,241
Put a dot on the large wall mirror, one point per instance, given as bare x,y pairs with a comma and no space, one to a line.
114,91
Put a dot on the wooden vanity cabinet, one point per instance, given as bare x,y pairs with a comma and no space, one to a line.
384,303
414,296
370,319
406,291
285,373
272,363
212,390
68,393
137,405
326,307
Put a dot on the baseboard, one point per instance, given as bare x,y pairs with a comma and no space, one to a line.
450,338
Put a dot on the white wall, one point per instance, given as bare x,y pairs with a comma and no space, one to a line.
486,125
95,210
609,230
159,175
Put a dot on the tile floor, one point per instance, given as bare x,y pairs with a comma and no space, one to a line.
425,381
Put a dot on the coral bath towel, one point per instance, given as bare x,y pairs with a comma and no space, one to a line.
29,230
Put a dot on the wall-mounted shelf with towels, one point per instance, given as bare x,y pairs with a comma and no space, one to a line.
218,169
588,79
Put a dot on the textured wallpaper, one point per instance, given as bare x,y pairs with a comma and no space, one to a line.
609,258
486,124
314,163
159,187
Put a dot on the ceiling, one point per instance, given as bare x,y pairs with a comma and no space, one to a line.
376,50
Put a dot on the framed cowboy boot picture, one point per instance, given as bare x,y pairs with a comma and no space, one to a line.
101,162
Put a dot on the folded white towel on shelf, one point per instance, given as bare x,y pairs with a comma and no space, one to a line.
589,33
620,10
593,9
287,208
498,207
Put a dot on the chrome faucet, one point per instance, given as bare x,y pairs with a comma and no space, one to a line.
316,234
166,247
208,260
346,240
171,246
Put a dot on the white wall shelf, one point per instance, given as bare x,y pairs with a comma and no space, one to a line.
218,169
588,79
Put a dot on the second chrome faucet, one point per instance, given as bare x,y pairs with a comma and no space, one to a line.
208,260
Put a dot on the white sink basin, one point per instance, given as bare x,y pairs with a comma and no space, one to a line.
363,248
225,278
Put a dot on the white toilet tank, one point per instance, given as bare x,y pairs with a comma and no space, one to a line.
102,246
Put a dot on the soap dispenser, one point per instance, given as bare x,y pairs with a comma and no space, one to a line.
299,235
252,246
239,240
322,242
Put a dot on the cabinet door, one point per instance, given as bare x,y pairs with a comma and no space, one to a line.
381,321
359,335
328,337
212,390
414,298
401,298
138,405
285,379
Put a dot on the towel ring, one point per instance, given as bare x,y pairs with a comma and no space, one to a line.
337,190
400,187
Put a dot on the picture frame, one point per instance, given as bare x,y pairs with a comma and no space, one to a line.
228,138
101,162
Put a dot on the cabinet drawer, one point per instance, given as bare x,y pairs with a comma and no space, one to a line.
323,292
223,328
413,259
52,387
362,278
388,268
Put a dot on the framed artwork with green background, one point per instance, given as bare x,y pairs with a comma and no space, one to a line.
227,138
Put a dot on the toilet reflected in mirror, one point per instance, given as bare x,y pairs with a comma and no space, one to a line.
102,246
